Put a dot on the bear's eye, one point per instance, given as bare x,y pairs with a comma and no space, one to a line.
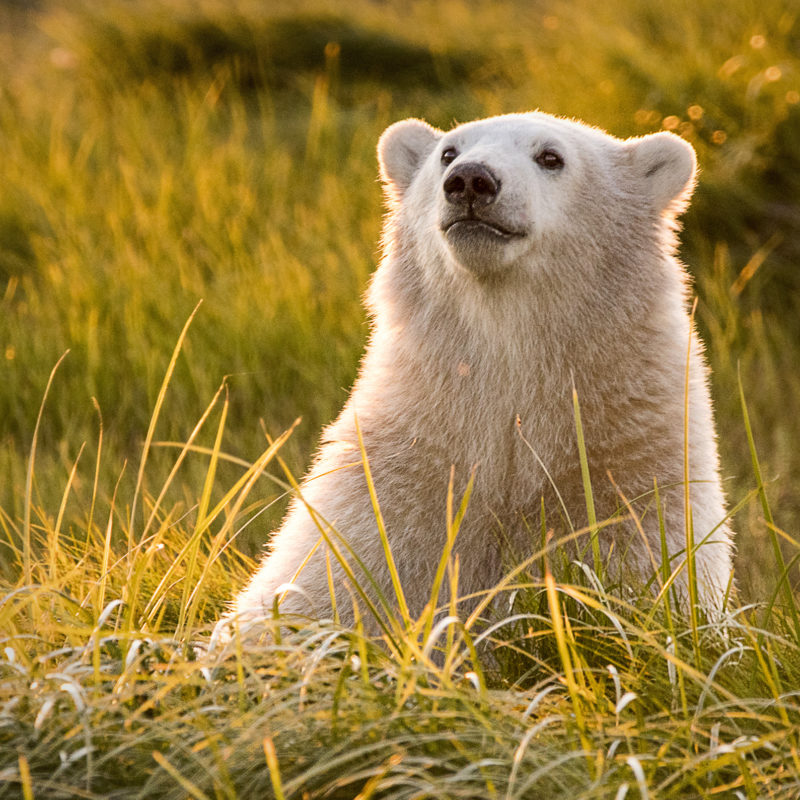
549,159
449,155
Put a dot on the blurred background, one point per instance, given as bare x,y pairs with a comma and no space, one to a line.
158,153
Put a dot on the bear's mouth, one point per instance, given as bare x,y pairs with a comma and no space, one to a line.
472,225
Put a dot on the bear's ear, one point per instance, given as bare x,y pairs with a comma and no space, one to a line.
665,167
402,149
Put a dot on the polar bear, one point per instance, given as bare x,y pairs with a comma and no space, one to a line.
525,257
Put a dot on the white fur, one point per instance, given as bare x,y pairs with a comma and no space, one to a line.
476,344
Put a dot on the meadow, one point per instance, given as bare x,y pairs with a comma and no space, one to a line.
189,215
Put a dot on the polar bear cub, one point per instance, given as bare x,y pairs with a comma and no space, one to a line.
524,256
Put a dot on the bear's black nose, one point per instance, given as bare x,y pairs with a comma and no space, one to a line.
471,184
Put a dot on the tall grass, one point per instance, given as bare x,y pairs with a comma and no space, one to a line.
557,685
133,188
156,155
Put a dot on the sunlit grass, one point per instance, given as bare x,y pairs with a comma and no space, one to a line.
556,683
156,155
127,197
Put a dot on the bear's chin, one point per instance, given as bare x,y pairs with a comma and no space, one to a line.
481,249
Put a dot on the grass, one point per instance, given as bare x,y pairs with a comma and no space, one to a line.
108,689
159,155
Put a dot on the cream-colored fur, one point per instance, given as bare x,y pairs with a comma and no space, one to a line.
561,273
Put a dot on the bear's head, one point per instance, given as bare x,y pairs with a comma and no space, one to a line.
507,193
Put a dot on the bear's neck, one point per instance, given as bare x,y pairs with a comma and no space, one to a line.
514,323
470,374
491,352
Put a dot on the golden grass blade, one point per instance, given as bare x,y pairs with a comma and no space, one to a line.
152,426
566,662
97,462
181,780
205,499
691,573
332,537
236,495
331,587
272,766
28,503
25,778
53,547
387,549
453,526
587,487
181,457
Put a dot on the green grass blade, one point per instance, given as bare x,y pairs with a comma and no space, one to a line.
783,584
668,596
